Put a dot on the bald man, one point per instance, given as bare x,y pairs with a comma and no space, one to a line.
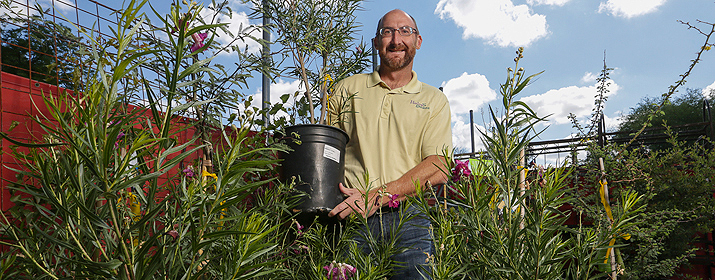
398,128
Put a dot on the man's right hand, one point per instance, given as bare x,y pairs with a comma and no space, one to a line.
354,203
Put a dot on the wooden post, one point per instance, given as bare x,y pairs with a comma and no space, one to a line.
605,197
522,187
444,195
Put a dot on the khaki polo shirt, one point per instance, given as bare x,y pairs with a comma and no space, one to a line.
391,130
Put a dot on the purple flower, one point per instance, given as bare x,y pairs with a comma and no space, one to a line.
393,203
300,228
461,168
119,137
340,271
301,249
198,41
189,171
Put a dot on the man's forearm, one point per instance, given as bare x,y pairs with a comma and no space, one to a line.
429,170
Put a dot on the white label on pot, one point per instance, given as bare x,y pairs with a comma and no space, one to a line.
331,153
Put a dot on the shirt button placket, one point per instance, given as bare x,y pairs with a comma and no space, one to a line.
386,106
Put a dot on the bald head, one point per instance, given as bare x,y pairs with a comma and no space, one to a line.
394,13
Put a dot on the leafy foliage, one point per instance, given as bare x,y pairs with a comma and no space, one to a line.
674,179
500,225
679,203
318,36
684,109
94,201
681,110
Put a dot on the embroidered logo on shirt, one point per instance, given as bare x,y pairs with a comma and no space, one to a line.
419,105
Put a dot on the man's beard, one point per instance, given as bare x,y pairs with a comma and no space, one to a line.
399,63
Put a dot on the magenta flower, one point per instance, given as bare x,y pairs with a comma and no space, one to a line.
340,271
300,228
198,39
301,249
393,203
461,168
119,137
189,171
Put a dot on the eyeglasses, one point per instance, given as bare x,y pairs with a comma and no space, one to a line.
404,31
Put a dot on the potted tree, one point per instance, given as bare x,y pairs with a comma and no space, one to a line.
317,41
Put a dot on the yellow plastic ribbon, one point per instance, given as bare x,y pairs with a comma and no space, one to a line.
207,174
606,205
608,253
135,206
326,79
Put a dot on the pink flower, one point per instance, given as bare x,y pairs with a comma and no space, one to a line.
301,249
119,137
189,171
393,203
340,271
461,168
198,39
174,234
300,228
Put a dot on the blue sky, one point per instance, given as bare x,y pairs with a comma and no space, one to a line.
468,45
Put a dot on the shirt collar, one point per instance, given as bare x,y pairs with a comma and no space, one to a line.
413,86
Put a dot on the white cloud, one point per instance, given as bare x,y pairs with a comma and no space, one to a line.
21,10
277,90
560,102
630,8
238,23
461,137
547,2
588,78
709,89
499,22
65,6
612,123
468,92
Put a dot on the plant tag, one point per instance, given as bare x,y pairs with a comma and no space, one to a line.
331,153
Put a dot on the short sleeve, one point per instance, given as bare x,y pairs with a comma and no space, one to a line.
438,133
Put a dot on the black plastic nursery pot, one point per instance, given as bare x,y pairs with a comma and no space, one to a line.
316,164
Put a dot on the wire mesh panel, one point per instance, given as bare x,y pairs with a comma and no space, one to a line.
46,50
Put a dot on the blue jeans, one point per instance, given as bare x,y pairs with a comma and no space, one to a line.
413,236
